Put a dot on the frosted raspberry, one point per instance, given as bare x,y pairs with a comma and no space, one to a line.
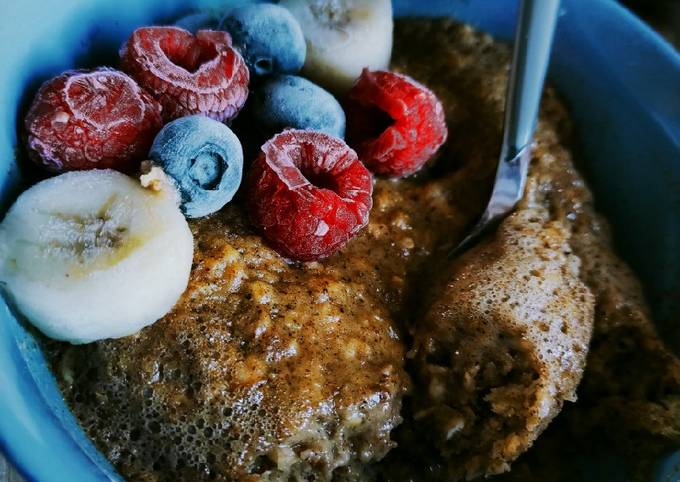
188,74
393,122
91,119
308,194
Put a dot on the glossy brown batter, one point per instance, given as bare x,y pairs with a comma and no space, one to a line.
272,371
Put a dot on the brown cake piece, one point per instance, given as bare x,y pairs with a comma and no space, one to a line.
629,400
263,370
502,346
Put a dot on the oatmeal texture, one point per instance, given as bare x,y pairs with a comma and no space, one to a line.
629,399
262,370
267,370
502,345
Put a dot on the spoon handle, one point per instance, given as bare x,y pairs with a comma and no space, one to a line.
533,39
531,54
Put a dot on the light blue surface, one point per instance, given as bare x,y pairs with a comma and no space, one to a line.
621,81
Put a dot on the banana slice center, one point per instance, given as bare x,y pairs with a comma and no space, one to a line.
86,242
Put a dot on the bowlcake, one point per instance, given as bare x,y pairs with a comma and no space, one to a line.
316,366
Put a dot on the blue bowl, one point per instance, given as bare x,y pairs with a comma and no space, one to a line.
620,79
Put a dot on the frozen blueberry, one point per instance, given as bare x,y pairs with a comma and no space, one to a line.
196,21
291,101
268,37
205,159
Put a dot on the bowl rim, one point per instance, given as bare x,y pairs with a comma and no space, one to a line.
22,446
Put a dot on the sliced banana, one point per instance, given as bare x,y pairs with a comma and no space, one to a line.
92,254
343,37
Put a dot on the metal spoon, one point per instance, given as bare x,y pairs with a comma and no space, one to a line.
531,54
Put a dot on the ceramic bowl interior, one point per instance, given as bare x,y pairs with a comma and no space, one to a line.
619,79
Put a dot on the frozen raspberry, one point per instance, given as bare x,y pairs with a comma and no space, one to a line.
393,122
91,119
308,194
188,74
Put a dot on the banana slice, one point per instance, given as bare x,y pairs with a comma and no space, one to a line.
343,37
92,254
